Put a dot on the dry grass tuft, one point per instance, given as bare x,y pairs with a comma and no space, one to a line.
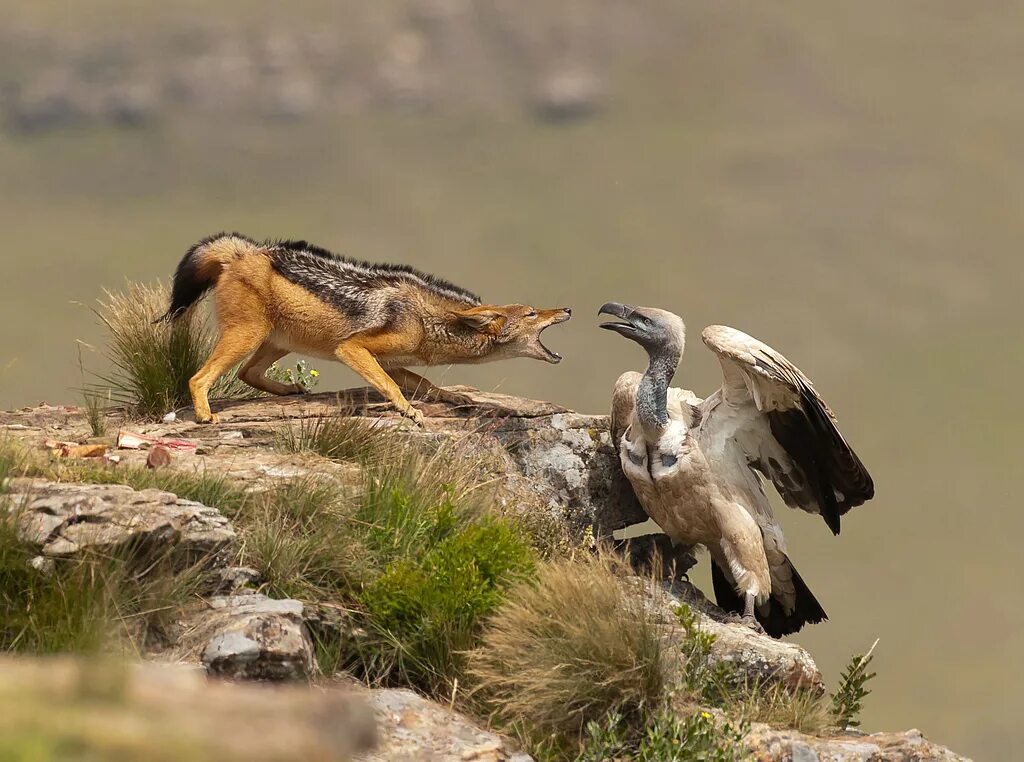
153,361
778,706
569,649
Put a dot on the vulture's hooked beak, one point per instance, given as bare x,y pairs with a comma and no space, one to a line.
632,326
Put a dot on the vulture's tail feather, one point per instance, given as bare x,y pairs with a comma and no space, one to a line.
772,617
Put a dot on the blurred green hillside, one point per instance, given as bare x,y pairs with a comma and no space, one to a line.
843,181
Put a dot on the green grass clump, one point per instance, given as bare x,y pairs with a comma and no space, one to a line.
412,560
84,604
339,437
95,411
63,611
152,361
298,536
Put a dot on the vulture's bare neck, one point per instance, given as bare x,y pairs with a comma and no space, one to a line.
652,393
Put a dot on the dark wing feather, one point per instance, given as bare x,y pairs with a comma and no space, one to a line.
808,459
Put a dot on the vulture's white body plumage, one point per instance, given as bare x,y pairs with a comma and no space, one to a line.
696,465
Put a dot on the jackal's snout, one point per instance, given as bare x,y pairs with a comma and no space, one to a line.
544,320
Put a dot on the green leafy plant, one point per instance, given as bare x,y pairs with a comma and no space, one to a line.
667,737
852,690
300,374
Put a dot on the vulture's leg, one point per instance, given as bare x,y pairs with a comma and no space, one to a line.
748,615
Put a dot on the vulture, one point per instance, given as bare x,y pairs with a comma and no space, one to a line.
698,466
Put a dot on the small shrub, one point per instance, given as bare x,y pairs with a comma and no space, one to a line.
300,374
426,611
412,500
851,691
667,737
571,648
152,362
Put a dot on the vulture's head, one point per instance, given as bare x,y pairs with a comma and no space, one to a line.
660,332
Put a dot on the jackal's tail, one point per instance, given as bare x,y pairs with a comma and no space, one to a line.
200,268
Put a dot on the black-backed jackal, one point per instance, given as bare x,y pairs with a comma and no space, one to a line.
273,298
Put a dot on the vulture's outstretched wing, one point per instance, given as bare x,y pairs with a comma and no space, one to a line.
767,407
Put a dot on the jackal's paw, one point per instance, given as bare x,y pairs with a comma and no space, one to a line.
295,389
414,415
212,418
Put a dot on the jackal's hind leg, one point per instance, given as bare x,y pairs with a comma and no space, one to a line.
359,359
416,385
232,347
255,369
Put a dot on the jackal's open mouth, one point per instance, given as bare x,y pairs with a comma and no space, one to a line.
552,357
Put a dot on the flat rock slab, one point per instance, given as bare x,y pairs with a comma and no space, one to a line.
769,745
168,713
414,729
252,637
66,520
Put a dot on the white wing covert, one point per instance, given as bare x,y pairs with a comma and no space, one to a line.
770,409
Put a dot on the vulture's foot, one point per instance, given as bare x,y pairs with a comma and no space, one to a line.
752,623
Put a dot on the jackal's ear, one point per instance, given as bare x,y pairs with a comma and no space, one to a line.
478,319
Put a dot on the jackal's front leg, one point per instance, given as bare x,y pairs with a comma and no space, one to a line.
359,359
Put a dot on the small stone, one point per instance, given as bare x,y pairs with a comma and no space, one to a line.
158,457
171,417
43,565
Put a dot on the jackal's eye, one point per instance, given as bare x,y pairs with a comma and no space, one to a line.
531,313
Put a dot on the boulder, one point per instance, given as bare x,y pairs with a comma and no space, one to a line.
414,729
753,656
253,637
68,520
568,94
770,745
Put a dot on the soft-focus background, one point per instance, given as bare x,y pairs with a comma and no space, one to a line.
845,181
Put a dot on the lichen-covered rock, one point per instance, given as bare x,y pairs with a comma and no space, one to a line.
771,745
65,520
414,729
253,637
756,657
